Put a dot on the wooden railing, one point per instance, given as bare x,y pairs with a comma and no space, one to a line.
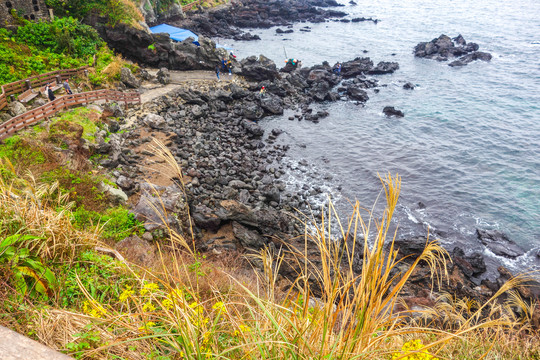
33,116
21,86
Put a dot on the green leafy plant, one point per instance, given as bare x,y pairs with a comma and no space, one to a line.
102,278
29,274
116,223
62,35
85,340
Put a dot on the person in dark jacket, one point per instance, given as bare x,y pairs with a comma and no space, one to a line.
217,72
49,92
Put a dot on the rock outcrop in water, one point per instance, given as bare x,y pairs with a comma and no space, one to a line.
444,48
392,111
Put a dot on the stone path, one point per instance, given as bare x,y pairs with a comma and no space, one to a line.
178,79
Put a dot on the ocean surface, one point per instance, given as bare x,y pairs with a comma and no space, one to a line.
468,148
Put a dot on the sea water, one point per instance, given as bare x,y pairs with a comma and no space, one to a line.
468,148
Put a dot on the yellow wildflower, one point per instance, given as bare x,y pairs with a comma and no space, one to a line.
409,349
148,288
126,294
198,308
218,306
94,309
167,304
148,306
146,326
244,328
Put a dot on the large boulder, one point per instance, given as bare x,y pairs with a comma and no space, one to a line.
356,67
249,239
258,69
252,128
16,108
128,79
384,67
357,94
155,121
157,205
163,76
272,105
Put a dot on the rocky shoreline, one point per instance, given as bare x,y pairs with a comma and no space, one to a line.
235,173
228,22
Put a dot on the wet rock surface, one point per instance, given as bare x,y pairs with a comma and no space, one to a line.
499,243
444,48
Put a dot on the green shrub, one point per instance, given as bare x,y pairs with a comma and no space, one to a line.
103,278
62,36
20,152
118,223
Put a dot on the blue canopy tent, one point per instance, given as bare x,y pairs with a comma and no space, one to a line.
175,33
178,34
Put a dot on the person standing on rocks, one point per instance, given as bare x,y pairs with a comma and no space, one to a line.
229,67
262,92
337,69
217,73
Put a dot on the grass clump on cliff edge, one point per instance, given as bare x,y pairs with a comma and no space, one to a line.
182,306
116,11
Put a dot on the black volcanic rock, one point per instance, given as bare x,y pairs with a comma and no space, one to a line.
499,243
443,48
391,111
477,55
258,69
227,21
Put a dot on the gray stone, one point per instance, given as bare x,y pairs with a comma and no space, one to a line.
163,76
117,195
155,121
16,108
124,182
128,79
157,211
248,238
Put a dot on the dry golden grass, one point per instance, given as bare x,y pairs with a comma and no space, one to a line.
30,208
187,307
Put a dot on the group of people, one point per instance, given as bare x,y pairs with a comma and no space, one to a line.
50,93
225,66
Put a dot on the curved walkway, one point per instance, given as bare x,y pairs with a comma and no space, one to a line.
180,78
